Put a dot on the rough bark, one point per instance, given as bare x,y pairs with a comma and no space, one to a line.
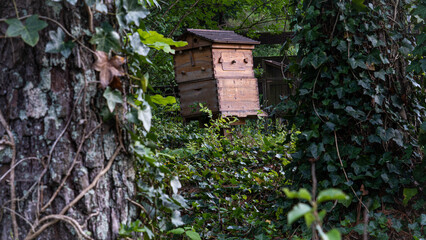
39,94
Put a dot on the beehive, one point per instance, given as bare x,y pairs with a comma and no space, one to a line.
216,68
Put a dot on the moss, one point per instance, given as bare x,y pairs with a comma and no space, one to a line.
35,101
46,80
5,155
18,78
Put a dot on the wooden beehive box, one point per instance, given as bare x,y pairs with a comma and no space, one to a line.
216,68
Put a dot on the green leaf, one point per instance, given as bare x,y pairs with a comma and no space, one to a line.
175,183
372,39
193,235
301,194
130,11
112,97
309,218
408,194
158,99
331,194
57,43
334,234
359,5
176,231
159,42
297,212
318,60
423,219
145,115
28,32
106,38
176,218
380,74
352,62
137,46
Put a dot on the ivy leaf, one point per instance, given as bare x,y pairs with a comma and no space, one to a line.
137,45
176,218
331,194
106,38
334,234
101,7
145,115
318,60
352,62
28,32
380,74
175,183
408,194
130,11
193,235
301,194
158,99
297,212
359,5
112,97
108,68
176,231
57,43
309,218
159,42
372,39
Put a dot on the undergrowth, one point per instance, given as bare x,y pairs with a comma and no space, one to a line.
233,185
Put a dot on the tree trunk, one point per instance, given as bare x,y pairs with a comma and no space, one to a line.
60,146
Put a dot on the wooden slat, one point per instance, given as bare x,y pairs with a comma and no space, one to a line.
224,68
196,92
239,106
193,64
192,45
232,46
237,83
243,114
238,94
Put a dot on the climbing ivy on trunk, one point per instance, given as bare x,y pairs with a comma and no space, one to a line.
358,109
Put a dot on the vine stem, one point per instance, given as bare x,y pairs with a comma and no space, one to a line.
57,23
16,9
12,176
83,140
32,235
344,171
16,164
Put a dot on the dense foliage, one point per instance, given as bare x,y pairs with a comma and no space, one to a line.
358,116
359,111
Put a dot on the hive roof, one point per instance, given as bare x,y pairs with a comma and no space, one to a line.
221,36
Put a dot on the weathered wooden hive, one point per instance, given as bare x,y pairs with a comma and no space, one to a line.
216,68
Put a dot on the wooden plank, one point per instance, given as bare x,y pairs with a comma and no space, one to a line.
198,92
237,94
193,64
242,114
237,83
192,45
232,46
232,63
